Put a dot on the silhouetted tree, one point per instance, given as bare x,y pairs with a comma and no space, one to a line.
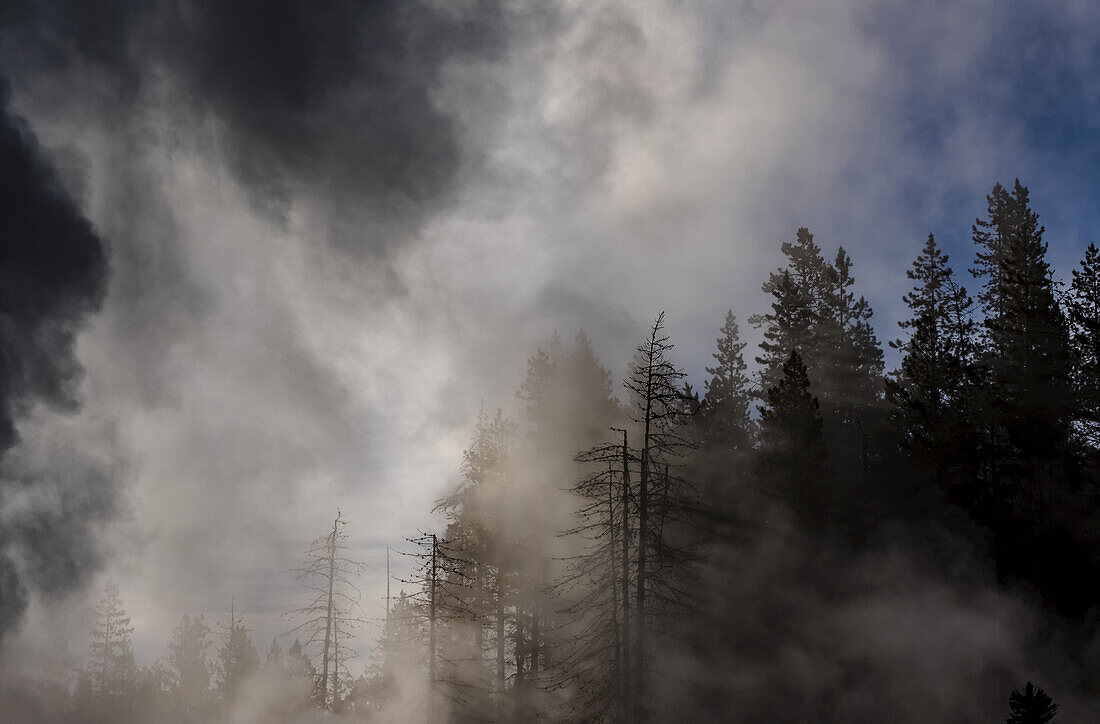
1083,312
792,448
593,668
797,293
725,406
1032,706
665,502
1026,352
932,390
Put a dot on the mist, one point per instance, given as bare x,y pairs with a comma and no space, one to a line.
264,264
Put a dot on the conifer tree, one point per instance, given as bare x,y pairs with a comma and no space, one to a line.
797,296
112,671
237,657
1083,312
479,564
816,311
1028,457
932,390
1031,706
297,662
725,406
1026,352
851,359
188,665
569,406
792,448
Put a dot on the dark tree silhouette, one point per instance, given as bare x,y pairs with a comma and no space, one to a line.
932,390
1031,706
1083,312
792,447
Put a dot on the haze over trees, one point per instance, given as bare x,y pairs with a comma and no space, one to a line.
643,552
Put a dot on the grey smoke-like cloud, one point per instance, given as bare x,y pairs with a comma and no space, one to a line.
53,273
330,99
507,171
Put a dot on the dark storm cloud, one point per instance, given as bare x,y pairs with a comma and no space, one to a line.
332,99
53,272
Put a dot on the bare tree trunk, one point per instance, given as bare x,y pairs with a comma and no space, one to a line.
500,631
643,523
328,612
534,649
626,682
618,670
521,653
431,617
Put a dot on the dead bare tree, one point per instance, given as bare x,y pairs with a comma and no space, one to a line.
595,668
333,611
437,578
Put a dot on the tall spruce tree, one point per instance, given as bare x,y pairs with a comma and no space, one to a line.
1083,312
112,671
1031,706
189,667
932,389
792,446
237,657
1026,352
477,512
797,292
816,312
726,404
850,356
1028,463
568,407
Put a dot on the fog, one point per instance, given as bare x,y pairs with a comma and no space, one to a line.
266,262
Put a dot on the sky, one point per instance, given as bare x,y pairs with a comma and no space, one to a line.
309,241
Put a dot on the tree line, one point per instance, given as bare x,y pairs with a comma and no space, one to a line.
638,556
610,589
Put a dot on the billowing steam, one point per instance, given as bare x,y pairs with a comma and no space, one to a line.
53,273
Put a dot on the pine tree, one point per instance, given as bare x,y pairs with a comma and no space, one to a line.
850,356
797,293
298,666
816,312
1031,706
569,406
1026,352
237,657
403,643
931,391
792,448
725,406
188,666
1083,313
1028,456
112,671
481,559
